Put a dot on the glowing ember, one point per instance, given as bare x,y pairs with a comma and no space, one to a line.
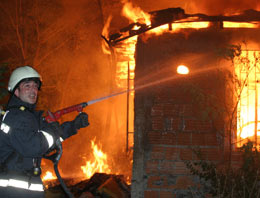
48,176
182,69
99,164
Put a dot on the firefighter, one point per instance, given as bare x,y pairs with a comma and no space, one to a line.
25,137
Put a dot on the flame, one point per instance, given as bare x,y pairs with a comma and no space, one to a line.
105,33
48,176
248,111
228,24
127,61
135,14
99,164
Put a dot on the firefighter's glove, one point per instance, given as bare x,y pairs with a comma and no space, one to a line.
55,128
81,121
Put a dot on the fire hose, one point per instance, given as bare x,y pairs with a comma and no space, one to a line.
55,158
53,117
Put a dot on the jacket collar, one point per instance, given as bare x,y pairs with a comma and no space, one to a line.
14,101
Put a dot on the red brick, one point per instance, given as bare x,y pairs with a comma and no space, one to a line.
198,139
170,110
180,168
210,154
184,182
152,166
211,139
167,167
236,156
202,154
187,110
168,138
154,137
197,125
166,194
158,152
157,110
151,194
184,139
171,153
157,182
213,154
174,124
186,154
157,123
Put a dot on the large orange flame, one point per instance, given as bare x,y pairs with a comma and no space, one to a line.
98,164
135,14
246,68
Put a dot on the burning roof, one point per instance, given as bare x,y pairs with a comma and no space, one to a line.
177,15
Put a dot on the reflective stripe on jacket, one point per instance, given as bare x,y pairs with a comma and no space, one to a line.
21,184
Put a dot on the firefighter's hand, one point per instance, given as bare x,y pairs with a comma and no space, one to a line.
81,121
56,128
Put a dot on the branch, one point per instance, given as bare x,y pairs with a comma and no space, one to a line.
18,32
51,51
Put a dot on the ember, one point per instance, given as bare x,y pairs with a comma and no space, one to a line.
99,185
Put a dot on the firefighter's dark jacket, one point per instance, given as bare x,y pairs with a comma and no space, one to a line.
24,142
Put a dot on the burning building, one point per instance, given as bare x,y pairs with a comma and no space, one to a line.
214,108
161,117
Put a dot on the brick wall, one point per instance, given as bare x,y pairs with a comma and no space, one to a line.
174,131
169,121
169,124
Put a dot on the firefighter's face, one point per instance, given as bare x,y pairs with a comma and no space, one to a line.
27,91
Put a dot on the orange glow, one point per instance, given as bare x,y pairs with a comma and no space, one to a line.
177,26
182,69
135,14
99,163
105,33
228,24
126,53
48,176
247,71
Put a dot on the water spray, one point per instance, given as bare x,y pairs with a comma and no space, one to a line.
53,117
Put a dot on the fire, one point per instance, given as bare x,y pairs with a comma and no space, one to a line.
178,26
126,52
125,63
228,24
105,31
246,68
135,14
99,164
48,176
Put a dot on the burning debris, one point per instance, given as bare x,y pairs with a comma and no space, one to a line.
99,185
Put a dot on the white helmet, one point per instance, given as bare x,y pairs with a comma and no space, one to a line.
20,74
